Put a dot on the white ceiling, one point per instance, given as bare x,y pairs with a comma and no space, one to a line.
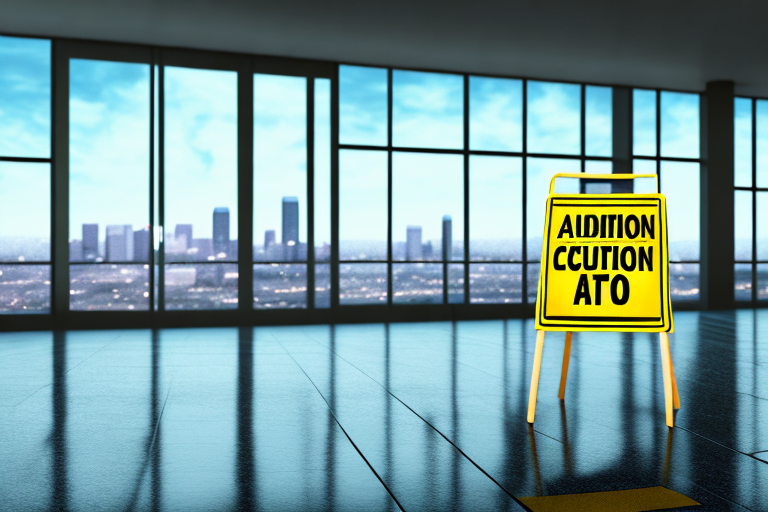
678,44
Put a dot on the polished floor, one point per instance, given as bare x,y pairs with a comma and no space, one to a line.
428,416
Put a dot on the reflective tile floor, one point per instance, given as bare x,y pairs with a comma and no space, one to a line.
428,416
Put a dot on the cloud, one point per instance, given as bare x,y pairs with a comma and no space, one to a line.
554,124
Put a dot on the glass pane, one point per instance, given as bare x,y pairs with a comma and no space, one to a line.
108,161
280,168
200,170
417,283
279,286
322,158
322,286
598,167
533,272
643,185
362,283
25,289
203,287
599,121
684,281
427,110
743,225
742,278
762,226
679,124
554,118
762,281
495,114
363,205
25,212
496,211
761,141
680,185
101,287
742,112
540,172
493,283
644,122
427,206
362,105
25,97
455,284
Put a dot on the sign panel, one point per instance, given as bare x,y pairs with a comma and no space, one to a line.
604,264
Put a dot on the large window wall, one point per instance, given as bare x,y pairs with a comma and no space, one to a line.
187,181
750,200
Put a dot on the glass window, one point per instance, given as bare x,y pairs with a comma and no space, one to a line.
25,211
761,142
644,122
455,284
495,114
279,286
762,281
680,185
363,205
598,167
109,184
496,213
25,289
427,207
201,188
762,226
280,168
599,121
743,225
362,283
417,283
742,142
554,118
25,97
362,105
427,110
540,172
495,283
322,156
641,185
679,124
684,281
742,278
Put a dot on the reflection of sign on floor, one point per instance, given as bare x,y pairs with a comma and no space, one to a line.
651,498
604,264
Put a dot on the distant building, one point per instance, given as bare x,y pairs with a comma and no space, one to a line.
141,245
427,252
203,248
447,238
90,242
269,238
119,245
413,247
75,250
291,227
183,231
221,231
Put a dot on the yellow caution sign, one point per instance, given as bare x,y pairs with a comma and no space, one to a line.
605,267
604,263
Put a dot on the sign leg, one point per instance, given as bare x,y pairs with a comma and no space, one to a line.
675,395
566,360
665,364
535,375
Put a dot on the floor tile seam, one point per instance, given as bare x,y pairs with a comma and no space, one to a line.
750,455
439,432
708,491
349,438
753,396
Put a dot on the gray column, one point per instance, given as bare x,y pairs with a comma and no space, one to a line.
622,137
717,196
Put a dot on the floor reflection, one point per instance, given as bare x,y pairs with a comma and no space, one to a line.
427,416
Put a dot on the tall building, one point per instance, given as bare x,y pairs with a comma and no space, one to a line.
184,231
90,242
221,231
119,245
141,245
447,238
269,238
75,250
413,247
291,227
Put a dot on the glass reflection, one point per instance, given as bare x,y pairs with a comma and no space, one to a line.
554,118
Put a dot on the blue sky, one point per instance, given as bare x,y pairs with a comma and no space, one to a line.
109,133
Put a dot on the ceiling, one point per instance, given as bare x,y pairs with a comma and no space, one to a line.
679,44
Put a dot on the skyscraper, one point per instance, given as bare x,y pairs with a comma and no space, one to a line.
269,238
119,245
413,247
447,238
141,245
221,231
185,231
291,227
90,242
